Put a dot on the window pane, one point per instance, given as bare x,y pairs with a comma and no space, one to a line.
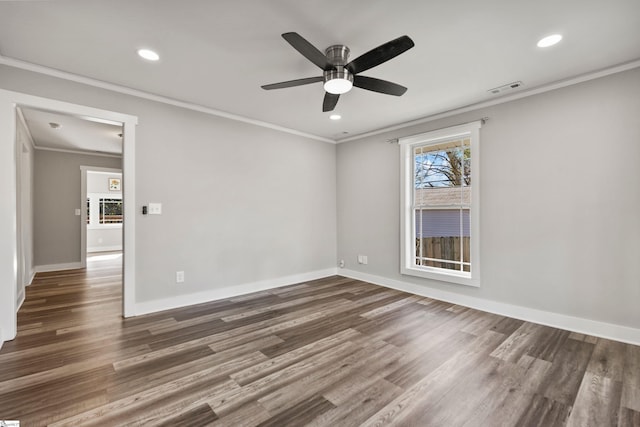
443,235
442,196
443,165
110,211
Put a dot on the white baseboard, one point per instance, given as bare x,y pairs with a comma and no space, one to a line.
20,301
227,292
32,275
575,324
104,248
57,267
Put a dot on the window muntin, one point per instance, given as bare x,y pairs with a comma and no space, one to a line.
440,218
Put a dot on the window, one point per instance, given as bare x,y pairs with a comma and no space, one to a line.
440,215
104,210
110,211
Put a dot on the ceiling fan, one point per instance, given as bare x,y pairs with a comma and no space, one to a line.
339,76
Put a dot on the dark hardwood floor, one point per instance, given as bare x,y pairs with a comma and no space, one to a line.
331,352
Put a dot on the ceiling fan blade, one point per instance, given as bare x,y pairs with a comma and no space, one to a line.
330,101
380,54
307,50
377,85
291,83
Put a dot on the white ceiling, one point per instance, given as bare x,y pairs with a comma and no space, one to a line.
74,133
218,53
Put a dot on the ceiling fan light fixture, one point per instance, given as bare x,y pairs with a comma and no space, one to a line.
338,86
338,81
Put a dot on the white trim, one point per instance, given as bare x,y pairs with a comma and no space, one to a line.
152,97
129,225
228,292
501,100
22,297
32,275
84,153
407,220
104,248
9,100
58,267
8,217
580,325
25,127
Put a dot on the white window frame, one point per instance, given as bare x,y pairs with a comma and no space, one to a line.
94,207
407,221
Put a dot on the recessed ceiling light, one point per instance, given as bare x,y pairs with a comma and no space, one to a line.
549,40
148,54
335,117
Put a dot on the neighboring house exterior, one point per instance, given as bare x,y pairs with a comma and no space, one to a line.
442,218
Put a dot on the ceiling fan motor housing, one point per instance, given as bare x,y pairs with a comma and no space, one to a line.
338,55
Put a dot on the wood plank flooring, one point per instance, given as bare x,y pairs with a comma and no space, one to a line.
331,352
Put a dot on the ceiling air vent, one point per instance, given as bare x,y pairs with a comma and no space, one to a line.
505,88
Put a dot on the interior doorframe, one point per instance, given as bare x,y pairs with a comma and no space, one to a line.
83,210
9,101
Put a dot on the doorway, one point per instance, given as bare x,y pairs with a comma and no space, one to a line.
102,216
9,233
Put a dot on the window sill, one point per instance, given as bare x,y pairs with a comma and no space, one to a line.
439,274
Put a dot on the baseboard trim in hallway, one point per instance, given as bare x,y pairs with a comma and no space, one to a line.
57,267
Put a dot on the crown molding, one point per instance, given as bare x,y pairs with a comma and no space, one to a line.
28,66
84,153
501,100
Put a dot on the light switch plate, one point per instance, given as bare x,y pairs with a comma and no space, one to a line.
155,208
77,212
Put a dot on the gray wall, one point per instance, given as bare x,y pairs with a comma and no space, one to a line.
559,201
241,203
57,180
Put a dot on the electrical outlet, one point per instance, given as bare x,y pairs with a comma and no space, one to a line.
341,264
362,259
179,276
